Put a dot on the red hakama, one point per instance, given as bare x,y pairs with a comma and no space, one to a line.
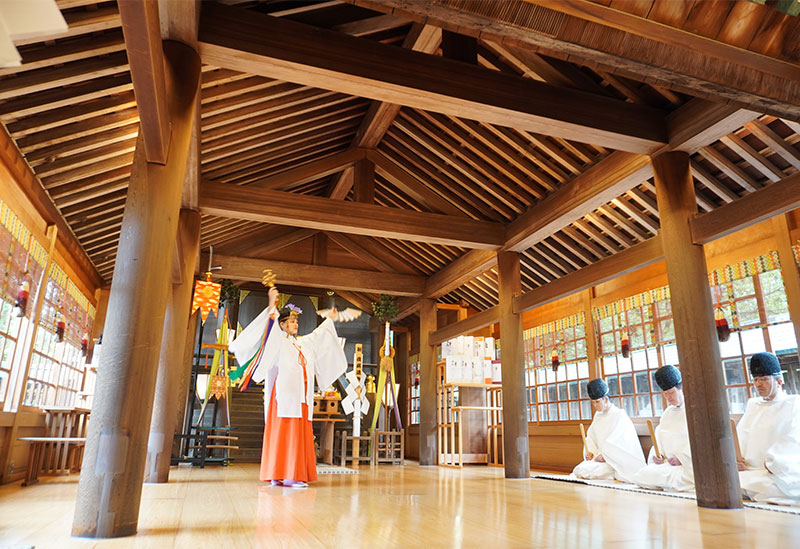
288,449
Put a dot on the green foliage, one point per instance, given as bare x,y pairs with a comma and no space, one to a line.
228,292
385,309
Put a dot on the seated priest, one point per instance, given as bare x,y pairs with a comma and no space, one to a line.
769,437
612,448
672,471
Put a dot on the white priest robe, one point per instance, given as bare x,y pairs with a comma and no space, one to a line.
769,437
613,436
672,435
280,358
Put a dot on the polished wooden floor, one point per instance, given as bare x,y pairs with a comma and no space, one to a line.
396,506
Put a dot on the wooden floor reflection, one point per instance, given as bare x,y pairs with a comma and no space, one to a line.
396,506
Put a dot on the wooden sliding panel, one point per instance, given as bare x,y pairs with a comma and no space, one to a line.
428,382
110,487
515,401
170,366
715,473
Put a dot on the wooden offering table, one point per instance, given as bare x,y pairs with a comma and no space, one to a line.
327,412
60,450
454,430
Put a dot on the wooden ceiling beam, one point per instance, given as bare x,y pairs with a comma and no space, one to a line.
380,115
753,157
698,123
142,30
459,272
293,125
65,101
311,171
638,256
667,56
319,276
313,212
711,183
779,146
606,180
470,324
364,247
666,34
410,185
259,44
242,155
774,199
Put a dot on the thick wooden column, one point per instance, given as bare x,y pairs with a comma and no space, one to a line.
716,477
170,366
515,398
110,487
427,385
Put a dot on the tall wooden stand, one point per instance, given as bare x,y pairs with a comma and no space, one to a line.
110,488
515,401
170,367
715,472
427,385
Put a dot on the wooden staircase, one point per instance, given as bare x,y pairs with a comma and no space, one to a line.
247,417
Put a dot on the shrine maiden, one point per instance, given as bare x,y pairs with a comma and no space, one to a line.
769,437
612,446
674,473
289,364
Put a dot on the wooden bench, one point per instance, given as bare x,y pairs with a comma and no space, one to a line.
71,448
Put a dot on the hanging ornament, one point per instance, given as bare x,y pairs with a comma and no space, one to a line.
22,295
723,330
61,326
85,344
554,359
625,345
206,296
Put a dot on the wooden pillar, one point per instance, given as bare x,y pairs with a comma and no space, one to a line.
427,385
184,378
364,181
715,473
791,277
170,367
515,398
319,253
595,370
110,487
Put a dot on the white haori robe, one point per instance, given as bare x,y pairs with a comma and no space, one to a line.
280,362
672,435
769,437
613,436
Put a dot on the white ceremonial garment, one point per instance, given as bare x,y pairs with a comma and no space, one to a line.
280,362
613,436
769,437
672,435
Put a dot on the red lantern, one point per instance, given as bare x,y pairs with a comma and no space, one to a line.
85,344
61,326
625,345
723,330
554,360
22,296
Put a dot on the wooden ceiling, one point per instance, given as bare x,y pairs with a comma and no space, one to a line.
560,198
